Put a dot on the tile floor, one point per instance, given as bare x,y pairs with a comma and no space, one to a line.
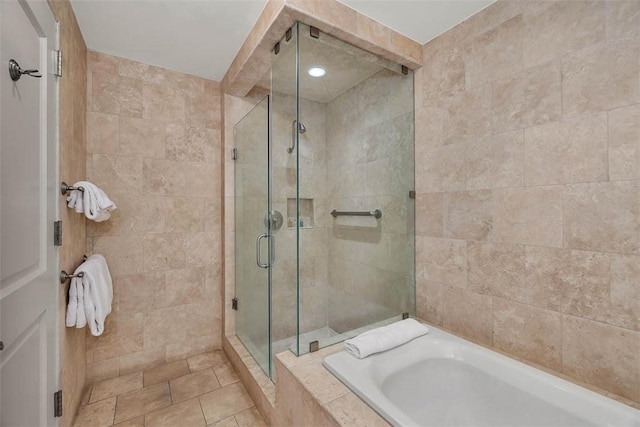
203,390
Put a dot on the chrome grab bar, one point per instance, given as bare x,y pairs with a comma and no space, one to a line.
377,213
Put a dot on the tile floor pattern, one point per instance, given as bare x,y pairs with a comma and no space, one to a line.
203,390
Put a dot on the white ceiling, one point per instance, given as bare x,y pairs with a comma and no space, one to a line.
199,37
421,20
202,37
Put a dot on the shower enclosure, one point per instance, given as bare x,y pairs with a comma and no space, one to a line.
324,198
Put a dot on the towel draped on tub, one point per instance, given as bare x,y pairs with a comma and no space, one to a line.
385,338
90,296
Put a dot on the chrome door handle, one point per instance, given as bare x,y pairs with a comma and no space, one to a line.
260,264
272,251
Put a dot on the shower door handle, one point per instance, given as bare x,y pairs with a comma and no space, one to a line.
260,264
272,251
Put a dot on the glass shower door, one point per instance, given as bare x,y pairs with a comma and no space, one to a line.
252,254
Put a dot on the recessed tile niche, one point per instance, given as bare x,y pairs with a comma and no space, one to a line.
306,213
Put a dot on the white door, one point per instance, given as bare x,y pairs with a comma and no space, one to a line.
28,181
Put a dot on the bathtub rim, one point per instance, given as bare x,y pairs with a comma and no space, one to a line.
398,418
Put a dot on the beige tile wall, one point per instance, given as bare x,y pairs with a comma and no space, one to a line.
370,166
72,140
310,178
154,147
527,172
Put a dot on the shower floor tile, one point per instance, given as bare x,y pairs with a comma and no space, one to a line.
183,396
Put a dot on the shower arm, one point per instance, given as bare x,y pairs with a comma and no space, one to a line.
294,126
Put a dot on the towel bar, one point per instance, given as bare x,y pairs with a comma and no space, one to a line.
65,188
64,276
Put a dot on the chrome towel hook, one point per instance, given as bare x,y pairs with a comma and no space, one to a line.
64,276
15,71
65,188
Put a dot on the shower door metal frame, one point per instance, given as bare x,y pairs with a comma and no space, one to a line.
297,139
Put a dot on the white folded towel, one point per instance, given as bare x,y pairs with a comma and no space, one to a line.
72,305
90,296
385,338
93,202
76,317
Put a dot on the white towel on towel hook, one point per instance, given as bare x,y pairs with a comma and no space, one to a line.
93,202
74,316
385,338
90,296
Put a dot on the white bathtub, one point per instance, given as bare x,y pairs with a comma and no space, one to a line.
442,380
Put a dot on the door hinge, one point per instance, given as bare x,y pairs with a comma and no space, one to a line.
234,304
57,233
58,70
412,194
234,153
57,403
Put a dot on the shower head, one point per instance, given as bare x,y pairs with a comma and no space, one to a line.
301,129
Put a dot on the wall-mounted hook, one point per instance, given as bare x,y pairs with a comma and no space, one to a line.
15,71
64,276
65,188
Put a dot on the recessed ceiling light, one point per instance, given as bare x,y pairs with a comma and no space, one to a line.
317,72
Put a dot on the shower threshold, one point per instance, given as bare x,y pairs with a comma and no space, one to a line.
306,338
326,337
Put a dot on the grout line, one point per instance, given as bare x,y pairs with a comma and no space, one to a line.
562,216
607,164
201,409
170,394
562,342
91,386
562,74
115,409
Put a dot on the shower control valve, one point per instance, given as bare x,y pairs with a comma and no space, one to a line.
274,220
